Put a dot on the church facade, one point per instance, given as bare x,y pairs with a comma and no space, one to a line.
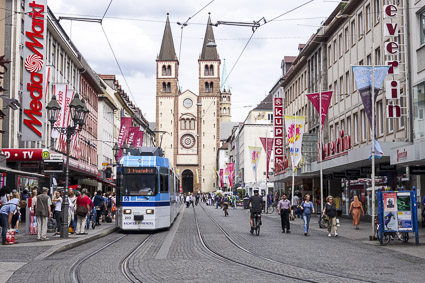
188,124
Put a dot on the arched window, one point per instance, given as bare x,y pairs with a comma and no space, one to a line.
206,71
168,87
211,87
192,122
206,87
228,98
211,70
221,110
169,70
164,71
164,87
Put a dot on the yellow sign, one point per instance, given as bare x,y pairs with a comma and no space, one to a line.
45,154
105,164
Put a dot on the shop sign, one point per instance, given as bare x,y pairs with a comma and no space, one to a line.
366,170
23,154
56,156
387,167
34,74
352,173
392,49
336,148
279,159
338,175
417,170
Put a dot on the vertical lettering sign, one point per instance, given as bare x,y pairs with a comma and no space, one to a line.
392,49
33,98
279,161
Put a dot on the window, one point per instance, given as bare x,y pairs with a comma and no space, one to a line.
343,125
368,18
168,87
329,55
422,27
336,130
163,180
164,70
207,87
378,56
356,128
349,126
211,87
207,70
341,46
169,70
369,60
336,94
164,87
347,82
331,132
361,27
342,92
211,70
335,51
347,39
401,119
390,125
353,32
363,117
377,6
380,119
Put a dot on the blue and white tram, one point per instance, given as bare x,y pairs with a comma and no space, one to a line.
147,192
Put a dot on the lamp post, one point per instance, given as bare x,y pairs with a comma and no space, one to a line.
78,111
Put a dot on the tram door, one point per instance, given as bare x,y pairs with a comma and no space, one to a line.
187,180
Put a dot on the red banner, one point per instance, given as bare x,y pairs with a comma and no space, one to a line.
326,100
268,148
124,131
131,135
138,139
230,168
221,178
23,154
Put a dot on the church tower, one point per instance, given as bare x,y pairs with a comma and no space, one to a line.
225,95
208,110
167,91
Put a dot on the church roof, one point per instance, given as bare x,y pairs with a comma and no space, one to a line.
209,53
167,51
224,86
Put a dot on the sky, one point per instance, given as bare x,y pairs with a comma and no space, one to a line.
135,28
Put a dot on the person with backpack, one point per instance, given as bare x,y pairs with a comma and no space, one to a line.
98,203
225,201
307,209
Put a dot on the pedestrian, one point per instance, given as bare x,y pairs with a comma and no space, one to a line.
16,218
284,209
329,211
114,206
6,213
356,208
57,202
108,207
83,207
23,210
43,212
307,209
33,222
4,195
188,200
71,208
98,205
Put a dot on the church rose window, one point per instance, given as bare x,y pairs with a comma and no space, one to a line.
187,141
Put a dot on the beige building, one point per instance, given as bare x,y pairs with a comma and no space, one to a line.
188,124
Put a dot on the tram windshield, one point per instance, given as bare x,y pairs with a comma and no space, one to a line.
140,181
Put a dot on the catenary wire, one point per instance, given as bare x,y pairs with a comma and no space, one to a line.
106,11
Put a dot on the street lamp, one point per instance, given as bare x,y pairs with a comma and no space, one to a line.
78,111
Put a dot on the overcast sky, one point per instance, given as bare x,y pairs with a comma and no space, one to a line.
135,28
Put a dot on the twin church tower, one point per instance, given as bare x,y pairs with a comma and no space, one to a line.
188,124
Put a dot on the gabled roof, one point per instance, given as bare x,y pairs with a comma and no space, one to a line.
266,104
289,59
209,53
167,51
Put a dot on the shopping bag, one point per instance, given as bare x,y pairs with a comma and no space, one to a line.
10,236
34,223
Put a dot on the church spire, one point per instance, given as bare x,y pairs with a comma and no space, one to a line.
167,51
224,87
209,53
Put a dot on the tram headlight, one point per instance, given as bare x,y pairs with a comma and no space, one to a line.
149,211
127,211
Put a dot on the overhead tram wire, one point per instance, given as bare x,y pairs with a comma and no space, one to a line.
106,11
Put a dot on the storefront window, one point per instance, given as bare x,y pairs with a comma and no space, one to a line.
419,110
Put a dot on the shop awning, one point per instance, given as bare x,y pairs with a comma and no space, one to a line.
5,169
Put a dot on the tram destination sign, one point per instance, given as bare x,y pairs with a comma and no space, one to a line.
139,170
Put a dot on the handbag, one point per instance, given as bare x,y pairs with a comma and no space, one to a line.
291,217
82,210
10,236
114,208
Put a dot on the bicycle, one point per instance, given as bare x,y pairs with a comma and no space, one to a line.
257,223
388,236
271,208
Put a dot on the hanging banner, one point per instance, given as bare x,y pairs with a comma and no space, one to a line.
315,98
279,159
124,131
60,91
221,178
254,153
230,167
268,147
138,139
34,78
294,132
131,134
363,78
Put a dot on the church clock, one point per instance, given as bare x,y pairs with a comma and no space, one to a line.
187,141
187,103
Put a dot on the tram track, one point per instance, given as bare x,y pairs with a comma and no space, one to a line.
270,260
124,266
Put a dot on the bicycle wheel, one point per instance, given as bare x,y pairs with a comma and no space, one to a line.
386,239
257,230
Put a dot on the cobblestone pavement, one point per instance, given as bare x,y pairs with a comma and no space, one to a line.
177,254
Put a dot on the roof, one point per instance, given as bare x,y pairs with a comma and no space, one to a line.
226,129
266,104
167,51
209,53
289,59
224,86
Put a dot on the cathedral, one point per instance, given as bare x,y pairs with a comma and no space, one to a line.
188,125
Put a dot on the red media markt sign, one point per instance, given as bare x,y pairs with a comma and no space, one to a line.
25,154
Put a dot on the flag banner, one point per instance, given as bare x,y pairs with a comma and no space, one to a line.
131,135
60,91
221,178
254,152
138,139
231,167
214,173
268,147
294,132
378,151
315,98
124,131
363,78
226,175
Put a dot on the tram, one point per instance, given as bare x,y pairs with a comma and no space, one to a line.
147,191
